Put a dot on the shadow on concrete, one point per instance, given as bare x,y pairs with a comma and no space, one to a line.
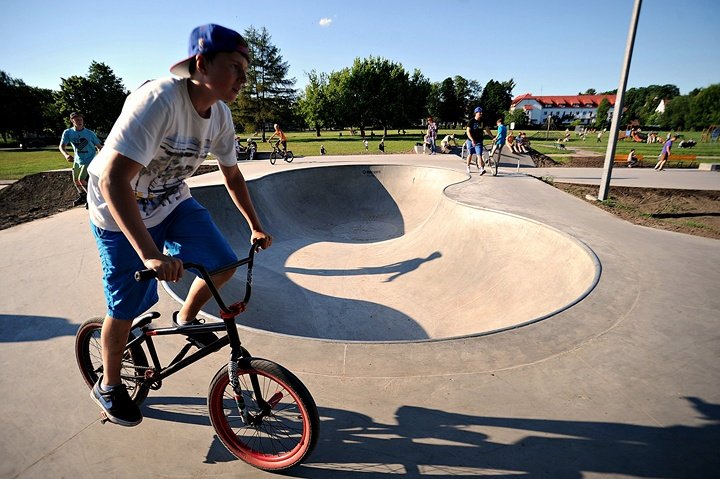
442,444
20,328
399,269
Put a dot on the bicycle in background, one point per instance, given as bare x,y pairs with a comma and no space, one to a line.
278,152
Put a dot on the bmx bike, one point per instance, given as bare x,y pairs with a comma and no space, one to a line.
262,413
278,152
490,162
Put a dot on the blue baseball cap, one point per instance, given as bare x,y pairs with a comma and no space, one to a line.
210,38
478,110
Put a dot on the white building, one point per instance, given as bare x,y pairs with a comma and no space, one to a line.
573,107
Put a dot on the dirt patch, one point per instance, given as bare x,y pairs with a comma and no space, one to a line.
693,212
43,194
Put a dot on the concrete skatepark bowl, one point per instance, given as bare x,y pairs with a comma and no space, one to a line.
380,253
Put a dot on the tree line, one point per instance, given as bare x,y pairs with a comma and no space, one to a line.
372,93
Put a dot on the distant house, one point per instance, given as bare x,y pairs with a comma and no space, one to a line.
661,106
571,107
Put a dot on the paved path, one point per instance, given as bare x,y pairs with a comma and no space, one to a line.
623,384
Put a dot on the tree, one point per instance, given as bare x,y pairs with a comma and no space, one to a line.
601,118
517,116
268,95
705,108
676,113
99,96
314,104
25,110
496,99
450,106
416,99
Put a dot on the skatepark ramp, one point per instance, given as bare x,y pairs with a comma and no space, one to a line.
379,253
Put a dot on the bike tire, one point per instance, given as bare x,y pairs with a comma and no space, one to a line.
495,163
289,157
286,437
88,353
491,165
273,157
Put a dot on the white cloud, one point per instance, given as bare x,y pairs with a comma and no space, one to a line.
325,22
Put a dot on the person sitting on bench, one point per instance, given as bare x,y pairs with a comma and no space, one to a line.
632,159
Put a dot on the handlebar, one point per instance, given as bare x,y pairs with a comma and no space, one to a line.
148,274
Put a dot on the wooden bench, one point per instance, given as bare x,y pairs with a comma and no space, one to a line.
622,160
683,161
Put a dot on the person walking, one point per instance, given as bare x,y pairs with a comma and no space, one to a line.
665,153
474,143
85,145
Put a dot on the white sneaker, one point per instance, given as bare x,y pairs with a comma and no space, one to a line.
482,172
468,169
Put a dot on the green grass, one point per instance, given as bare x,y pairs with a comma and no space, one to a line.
15,164
706,152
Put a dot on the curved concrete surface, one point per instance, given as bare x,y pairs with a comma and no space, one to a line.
363,253
623,384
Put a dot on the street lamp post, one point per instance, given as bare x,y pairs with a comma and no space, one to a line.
617,111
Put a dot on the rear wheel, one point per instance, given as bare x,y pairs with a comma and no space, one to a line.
495,162
88,353
279,436
289,156
273,157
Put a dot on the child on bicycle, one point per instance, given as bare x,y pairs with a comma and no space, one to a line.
141,210
500,138
281,136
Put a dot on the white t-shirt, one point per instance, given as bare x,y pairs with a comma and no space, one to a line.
160,129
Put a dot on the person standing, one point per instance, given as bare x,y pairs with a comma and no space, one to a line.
431,135
85,145
665,153
474,143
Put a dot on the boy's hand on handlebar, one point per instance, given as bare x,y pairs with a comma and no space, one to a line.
262,239
166,267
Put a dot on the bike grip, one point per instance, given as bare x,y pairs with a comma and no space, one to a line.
145,275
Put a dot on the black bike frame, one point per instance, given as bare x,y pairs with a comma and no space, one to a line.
228,325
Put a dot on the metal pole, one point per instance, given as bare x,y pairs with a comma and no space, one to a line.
617,111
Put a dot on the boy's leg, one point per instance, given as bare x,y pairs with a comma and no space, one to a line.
113,338
193,237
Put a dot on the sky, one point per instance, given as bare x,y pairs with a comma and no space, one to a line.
548,47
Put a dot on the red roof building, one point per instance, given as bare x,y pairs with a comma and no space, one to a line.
569,107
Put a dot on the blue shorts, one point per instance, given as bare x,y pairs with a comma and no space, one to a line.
187,233
474,150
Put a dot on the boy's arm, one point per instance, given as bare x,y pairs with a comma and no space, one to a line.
120,197
61,147
237,188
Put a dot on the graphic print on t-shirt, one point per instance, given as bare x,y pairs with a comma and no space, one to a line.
163,179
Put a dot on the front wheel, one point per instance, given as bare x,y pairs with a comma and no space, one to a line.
491,165
284,427
88,353
273,157
289,156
